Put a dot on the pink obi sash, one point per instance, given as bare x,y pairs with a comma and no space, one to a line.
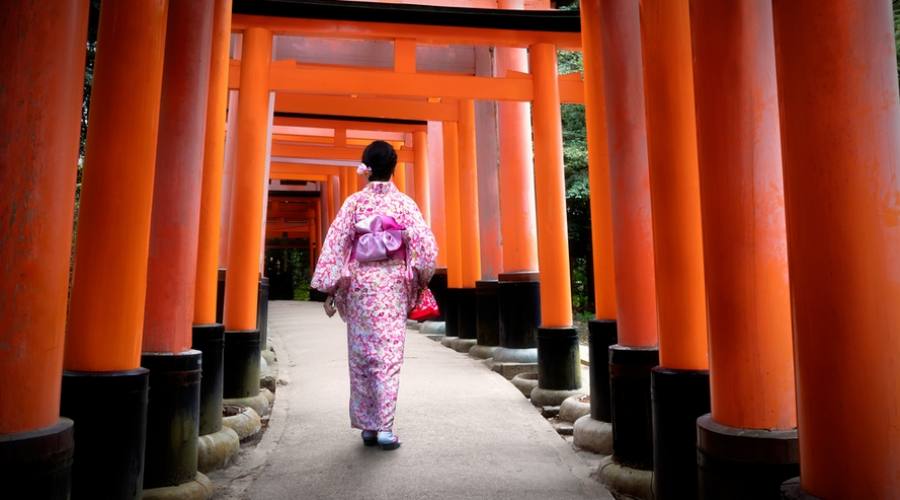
379,237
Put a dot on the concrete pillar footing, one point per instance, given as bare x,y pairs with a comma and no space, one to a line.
447,341
217,449
244,421
433,328
479,351
259,403
625,482
574,407
552,397
525,382
463,345
199,488
509,355
412,324
593,435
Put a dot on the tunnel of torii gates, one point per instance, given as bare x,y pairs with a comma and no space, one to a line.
716,357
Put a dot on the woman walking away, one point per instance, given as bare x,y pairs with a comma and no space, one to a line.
377,257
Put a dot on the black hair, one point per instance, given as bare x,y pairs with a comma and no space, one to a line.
382,159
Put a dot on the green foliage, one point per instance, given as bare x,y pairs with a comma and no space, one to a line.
896,4
577,191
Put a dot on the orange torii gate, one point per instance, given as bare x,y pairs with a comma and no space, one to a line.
403,81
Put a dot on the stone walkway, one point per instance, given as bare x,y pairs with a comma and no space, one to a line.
467,433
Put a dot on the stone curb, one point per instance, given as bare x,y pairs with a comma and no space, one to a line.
216,450
551,397
525,382
625,482
573,408
199,488
482,351
593,435
259,403
246,423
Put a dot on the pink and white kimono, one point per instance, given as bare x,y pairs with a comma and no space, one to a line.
375,296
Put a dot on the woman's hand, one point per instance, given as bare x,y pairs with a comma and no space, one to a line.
329,306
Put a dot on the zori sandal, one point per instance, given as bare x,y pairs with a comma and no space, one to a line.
388,441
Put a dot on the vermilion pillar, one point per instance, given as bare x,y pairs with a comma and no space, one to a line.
470,239
400,177
745,254
453,226
437,220
435,137
173,412
559,372
106,313
242,348
519,284
602,329
635,354
39,117
680,385
841,153
420,174
208,332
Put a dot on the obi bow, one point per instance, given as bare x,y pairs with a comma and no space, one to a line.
378,237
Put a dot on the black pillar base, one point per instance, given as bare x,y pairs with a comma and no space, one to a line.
519,300
210,340
629,382
110,414
602,333
487,312
451,310
262,312
173,418
38,463
220,296
466,308
438,286
241,364
679,397
559,362
744,464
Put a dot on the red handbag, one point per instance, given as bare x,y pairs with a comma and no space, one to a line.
426,307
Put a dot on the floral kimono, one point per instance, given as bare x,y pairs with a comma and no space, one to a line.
374,296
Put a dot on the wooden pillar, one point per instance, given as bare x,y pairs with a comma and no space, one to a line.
106,313
841,151
635,354
242,285
470,249
208,332
436,186
602,330
559,365
420,174
39,118
452,223
213,168
745,253
231,140
173,409
400,177
519,286
680,385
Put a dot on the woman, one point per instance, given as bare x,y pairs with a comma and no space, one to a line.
378,255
